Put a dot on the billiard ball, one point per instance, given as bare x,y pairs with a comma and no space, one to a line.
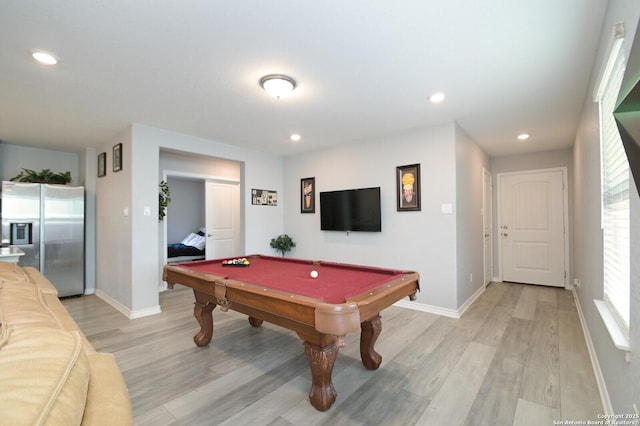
314,274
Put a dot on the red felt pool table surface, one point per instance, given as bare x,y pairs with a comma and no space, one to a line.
336,282
321,311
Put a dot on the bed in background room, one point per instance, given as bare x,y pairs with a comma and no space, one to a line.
192,247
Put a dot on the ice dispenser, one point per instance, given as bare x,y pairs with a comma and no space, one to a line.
21,233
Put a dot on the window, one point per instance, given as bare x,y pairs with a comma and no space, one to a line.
614,173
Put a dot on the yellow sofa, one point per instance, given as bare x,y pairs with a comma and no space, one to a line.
49,372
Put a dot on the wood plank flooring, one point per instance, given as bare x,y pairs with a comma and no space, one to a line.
516,357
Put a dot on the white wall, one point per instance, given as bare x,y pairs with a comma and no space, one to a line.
114,250
14,158
524,162
470,162
87,175
136,188
622,378
423,241
185,213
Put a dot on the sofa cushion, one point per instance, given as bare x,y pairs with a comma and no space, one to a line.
4,330
22,305
39,280
62,317
44,377
106,380
9,272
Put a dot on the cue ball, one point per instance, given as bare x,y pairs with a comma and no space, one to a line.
314,274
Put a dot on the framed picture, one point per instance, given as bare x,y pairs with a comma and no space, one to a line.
264,197
408,187
102,164
308,195
117,157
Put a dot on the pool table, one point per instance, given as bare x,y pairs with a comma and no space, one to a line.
342,299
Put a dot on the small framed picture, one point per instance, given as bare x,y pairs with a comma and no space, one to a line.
264,197
408,187
117,157
308,195
102,164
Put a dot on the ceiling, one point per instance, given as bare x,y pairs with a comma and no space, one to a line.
364,70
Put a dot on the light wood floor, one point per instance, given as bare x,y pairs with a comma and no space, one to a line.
516,357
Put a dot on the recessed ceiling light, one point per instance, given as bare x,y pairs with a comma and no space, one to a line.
436,98
523,137
44,57
295,137
278,85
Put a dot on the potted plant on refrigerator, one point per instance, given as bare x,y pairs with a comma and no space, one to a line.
44,176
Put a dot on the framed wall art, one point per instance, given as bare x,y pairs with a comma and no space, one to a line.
102,164
117,157
408,187
308,195
264,197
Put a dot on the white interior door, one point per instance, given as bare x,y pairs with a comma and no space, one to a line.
487,220
222,219
532,227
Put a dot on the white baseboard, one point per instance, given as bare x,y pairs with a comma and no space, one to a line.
602,386
431,309
437,310
126,311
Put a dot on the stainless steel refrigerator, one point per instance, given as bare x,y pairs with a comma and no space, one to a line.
47,223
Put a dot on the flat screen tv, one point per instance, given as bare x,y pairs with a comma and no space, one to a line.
351,210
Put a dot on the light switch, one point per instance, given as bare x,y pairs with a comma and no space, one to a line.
125,211
147,210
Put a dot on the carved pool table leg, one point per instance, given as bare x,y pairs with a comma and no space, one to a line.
255,322
203,311
370,331
321,360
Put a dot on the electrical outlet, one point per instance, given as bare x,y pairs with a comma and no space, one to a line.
576,282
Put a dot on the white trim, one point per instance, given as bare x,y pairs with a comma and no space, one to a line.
198,176
615,43
620,340
195,176
437,310
565,214
431,309
602,385
485,173
126,311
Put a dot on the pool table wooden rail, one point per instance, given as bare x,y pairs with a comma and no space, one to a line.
322,326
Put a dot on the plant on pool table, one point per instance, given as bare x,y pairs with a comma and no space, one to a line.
283,243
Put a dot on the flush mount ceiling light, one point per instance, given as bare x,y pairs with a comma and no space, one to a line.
278,85
436,98
295,137
44,57
523,137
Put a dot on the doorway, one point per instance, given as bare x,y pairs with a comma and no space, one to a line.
213,207
222,203
487,226
532,220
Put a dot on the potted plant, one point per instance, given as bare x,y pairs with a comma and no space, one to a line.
44,176
165,199
283,243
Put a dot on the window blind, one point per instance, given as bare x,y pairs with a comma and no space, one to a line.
615,197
